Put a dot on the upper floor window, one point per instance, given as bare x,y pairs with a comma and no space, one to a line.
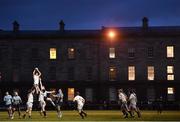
112,73
112,53
71,53
131,73
170,72
170,90
170,51
150,52
52,53
131,52
150,70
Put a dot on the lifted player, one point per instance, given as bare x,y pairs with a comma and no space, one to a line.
80,103
36,77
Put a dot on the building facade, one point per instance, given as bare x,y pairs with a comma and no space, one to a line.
94,62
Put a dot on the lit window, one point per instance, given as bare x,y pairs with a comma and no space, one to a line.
131,52
52,53
71,53
170,51
170,72
150,72
170,90
131,73
70,94
112,73
112,53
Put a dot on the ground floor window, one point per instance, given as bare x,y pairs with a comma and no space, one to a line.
151,96
170,94
89,94
70,94
112,94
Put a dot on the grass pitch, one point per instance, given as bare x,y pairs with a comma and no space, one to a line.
106,115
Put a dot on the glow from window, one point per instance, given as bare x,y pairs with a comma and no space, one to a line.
170,72
150,72
112,73
131,73
112,53
71,53
170,90
170,51
70,94
52,53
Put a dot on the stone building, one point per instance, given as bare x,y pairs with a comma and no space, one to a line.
94,62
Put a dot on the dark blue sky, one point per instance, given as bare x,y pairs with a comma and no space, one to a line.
87,14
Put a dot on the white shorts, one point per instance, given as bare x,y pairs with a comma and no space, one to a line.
132,106
29,105
80,107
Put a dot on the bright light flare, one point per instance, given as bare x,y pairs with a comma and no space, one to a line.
111,34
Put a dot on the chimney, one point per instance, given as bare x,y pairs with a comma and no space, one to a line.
145,23
15,26
61,25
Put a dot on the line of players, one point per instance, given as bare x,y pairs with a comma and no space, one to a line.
13,103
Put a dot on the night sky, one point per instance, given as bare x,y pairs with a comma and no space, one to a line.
87,14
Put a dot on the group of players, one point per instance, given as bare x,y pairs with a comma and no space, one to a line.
13,103
128,104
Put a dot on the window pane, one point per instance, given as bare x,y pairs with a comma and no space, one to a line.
170,69
112,94
112,73
131,73
150,72
170,90
150,52
170,77
70,94
112,53
89,94
170,51
71,53
52,53
131,52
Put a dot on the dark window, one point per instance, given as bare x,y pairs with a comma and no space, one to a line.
89,73
52,73
112,73
71,73
150,51
131,52
71,53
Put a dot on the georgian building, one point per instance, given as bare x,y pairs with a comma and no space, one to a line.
94,62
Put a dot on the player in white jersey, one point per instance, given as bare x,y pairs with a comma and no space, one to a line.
59,101
123,100
80,103
16,100
42,102
133,103
29,103
36,77
8,104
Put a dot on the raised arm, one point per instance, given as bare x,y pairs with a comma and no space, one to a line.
41,86
34,71
39,72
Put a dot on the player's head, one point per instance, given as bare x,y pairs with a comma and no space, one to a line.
7,93
60,91
120,90
37,73
16,93
77,93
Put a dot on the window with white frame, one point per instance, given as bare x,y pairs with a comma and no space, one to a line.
112,53
150,70
131,73
170,51
170,72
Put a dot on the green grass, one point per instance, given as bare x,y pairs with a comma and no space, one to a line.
98,116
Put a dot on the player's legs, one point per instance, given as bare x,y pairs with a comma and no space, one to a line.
59,111
80,110
49,99
36,88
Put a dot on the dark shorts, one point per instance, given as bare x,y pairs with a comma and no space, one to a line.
16,106
8,106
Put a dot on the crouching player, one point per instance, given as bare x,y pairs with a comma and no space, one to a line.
80,103
133,103
16,100
59,101
8,104
29,103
